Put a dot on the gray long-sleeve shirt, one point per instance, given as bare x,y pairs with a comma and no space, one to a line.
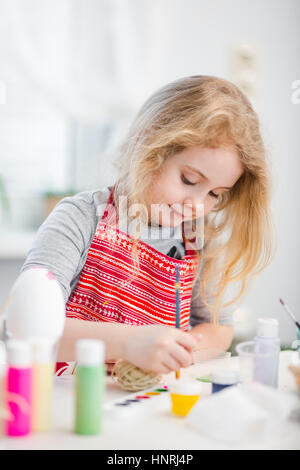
63,241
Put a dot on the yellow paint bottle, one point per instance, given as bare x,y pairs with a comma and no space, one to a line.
43,369
184,395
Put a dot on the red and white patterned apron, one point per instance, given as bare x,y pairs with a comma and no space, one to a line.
107,292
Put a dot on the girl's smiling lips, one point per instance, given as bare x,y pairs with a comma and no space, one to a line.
180,214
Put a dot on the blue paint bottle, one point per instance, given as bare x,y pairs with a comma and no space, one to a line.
222,379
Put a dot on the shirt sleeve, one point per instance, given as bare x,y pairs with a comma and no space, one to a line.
199,313
62,241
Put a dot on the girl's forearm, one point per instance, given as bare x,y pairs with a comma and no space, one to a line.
214,336
112,334
116,336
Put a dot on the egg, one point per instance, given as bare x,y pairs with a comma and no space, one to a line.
37,306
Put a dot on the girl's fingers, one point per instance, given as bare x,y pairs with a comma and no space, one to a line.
186,340
165,369
198,337
176,360
172,362
183,357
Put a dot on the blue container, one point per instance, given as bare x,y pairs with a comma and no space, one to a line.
222,379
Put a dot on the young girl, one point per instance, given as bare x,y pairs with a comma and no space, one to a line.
194,144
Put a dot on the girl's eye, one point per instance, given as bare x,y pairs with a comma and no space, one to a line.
186,181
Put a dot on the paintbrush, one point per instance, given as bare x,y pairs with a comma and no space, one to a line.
290,313
177,324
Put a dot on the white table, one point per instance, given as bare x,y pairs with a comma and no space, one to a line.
152,426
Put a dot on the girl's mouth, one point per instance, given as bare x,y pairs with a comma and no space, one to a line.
179,214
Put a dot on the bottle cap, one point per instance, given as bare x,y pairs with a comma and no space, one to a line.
42,349
2,358
185,388
267,327
19,353
90,352
225,377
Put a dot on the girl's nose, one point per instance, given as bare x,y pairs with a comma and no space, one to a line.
195,207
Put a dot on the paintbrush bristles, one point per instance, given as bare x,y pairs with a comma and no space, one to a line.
288,310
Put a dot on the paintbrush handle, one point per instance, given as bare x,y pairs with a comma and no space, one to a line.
177,287
177,298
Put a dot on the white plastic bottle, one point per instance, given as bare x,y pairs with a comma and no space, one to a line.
266,352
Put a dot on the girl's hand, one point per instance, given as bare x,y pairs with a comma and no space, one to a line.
159,349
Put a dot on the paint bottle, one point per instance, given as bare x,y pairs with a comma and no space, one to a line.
42,383
184,395
2,379
222,379
266,352
19,388
90,377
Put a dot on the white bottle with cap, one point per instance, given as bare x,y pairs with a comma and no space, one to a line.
266,352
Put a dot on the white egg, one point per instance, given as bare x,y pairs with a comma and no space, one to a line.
37,307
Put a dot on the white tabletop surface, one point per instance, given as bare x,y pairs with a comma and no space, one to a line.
148,424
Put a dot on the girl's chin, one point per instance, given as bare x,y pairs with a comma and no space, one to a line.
170,225
167,219
173,221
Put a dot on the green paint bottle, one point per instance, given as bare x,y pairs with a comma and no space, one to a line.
90,380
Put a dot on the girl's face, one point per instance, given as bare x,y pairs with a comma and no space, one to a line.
189,181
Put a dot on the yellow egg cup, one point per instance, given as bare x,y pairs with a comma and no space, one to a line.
182,404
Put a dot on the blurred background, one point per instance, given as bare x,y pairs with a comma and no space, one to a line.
73,74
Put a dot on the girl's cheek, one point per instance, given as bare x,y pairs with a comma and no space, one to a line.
208,206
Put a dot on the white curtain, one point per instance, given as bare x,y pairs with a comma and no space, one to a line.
76,72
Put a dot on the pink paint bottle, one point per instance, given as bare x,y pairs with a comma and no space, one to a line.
2,381
19,387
